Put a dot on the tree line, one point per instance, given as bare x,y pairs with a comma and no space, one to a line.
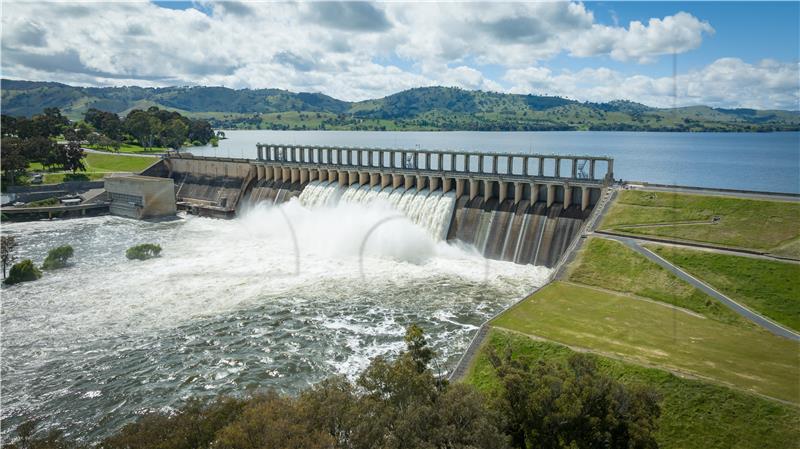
25,140
150,128
52,140
401,403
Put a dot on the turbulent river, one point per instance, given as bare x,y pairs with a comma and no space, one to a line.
280,297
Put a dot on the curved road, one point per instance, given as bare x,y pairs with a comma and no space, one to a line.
764,322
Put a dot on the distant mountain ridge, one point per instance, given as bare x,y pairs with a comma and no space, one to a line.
434,108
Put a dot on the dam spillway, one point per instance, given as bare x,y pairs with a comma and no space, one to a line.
524,208
431,211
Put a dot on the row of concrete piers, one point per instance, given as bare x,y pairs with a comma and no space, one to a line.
551,193
534,165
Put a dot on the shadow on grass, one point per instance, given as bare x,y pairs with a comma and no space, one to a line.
68,177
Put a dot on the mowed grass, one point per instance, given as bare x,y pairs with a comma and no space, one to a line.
694,414
789,249
114,163
128,148
650,333
611,265
58,178
743,223
768,287
97,166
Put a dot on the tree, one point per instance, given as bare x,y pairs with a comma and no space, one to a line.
70,156
53,122
8,244
24,271
37,149
106,123
82,130
418,347
143,126
573,405
201,131
8,125
175,132
273,421
143,251
58,257
402,406
13,161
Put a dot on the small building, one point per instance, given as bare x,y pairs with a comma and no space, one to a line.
138,196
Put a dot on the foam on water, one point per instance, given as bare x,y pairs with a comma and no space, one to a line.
429,210
236,304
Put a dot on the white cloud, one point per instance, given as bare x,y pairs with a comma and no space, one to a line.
727,82
673,34
358,51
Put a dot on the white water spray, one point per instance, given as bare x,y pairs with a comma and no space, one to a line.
429,210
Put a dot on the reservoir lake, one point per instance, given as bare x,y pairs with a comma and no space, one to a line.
747,161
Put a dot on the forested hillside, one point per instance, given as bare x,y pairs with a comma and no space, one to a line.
427,108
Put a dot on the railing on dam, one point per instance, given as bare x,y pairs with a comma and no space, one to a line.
583,169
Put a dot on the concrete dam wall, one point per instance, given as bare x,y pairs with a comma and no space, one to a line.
510,207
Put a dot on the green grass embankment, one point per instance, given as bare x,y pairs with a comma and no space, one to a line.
694,414
770,288
611,265
653,334
740,223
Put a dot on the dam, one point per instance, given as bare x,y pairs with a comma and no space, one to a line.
524,208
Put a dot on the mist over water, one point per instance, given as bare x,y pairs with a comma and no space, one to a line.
231,306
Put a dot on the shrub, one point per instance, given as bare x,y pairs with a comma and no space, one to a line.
143,252
23,272
57,258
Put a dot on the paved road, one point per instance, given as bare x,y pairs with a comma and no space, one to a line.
766,323
697,246
769,196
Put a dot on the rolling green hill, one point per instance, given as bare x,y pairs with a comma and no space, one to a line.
426,108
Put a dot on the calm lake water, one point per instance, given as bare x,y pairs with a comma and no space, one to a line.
750,161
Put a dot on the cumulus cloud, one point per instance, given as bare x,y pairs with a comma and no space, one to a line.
356,16
727,82
673,34
356,50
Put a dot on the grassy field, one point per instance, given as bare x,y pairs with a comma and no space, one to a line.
128,148
742,223
650,333
57,178
694,414
97,166
114,163
770,288
611,265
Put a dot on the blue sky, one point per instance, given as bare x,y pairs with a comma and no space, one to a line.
730,54
748,30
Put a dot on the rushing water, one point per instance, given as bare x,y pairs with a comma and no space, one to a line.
232,305
429,210
750,161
